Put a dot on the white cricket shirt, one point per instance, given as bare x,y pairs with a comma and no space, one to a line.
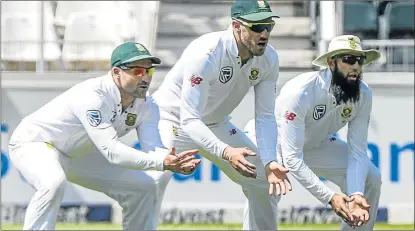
207,83
90,113
307,113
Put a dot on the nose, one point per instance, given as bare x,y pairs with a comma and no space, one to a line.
145,78
265,34
355,66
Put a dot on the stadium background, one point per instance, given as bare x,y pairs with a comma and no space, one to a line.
77,39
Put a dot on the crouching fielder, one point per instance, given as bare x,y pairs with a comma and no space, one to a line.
211,78
49,146
313,106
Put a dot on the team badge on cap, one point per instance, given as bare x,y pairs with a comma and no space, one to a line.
262,4
140,47
352,43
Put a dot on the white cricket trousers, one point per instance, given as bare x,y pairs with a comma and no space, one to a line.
48,171
329,161
260,212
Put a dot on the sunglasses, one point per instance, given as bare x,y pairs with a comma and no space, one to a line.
352,59
258,27
139,71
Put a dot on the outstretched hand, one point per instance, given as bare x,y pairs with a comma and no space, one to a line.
277,179
236,157
359,208
339,204
184,163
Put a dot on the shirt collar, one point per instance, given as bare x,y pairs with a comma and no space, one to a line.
111,88
231,45
230,42
325,76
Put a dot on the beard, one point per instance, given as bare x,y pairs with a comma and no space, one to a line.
258,49
255,48
343,89
140,92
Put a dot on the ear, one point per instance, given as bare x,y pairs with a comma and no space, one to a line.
331,63
236,25
116,71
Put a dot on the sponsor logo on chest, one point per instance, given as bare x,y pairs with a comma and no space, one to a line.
319,111
226,74
94,117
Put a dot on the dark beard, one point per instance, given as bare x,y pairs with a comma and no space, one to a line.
345,90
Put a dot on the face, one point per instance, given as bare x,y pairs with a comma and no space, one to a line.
254,35
133,78
347,72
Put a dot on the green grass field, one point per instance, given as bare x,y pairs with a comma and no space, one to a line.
109,226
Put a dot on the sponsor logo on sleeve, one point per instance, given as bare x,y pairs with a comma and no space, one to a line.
195,80
289,116
94,117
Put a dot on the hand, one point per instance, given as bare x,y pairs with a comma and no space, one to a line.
277,178
184,163
236,156
359,209
338,203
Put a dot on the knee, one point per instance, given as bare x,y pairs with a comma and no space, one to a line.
257,192
55,186
145,185
375,179
249,130
161,179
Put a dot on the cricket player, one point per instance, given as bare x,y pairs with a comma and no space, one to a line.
309,110
49,145
207,83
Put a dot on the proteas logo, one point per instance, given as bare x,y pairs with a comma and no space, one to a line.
261,4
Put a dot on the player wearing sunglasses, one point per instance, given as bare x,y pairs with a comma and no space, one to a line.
76,138
208,82
252,36
309,110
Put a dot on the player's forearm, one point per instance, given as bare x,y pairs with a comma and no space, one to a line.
203,136
306,177
107,142
266,130
121,154
357,171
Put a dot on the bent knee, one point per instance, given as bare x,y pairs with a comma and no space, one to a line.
161,179
375,178
54,186
145,185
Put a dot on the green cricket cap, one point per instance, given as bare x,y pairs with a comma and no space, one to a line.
252,10
129,52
